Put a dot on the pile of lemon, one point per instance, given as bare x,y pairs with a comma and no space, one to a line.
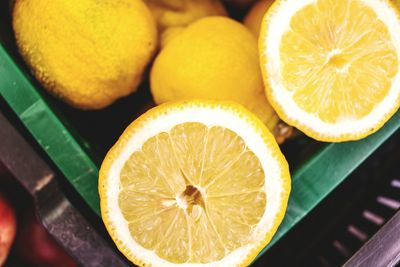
200,180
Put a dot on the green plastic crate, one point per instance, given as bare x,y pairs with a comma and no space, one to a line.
49,121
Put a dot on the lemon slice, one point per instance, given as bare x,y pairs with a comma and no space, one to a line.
332,67
194,184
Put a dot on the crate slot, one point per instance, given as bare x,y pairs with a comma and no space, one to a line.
372,217
388,202
359,234
341,248
395,183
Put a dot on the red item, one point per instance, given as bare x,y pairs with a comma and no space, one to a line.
8,226
35,246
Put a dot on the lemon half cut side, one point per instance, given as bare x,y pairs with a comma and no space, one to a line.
195,183
331,68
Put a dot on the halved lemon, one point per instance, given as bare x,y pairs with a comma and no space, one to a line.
194,184
332,67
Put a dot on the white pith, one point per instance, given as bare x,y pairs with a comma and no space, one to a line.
278,25
274,186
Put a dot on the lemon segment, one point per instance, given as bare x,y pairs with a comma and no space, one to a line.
194,184
332,67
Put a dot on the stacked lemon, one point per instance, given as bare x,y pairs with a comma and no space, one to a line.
199,180
88,53
217,59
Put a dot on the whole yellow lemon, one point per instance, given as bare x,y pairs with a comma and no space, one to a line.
86,52
213,58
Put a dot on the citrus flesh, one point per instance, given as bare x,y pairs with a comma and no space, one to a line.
332,67
194,183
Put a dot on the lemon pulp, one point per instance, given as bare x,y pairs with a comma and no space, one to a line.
338,59
193,194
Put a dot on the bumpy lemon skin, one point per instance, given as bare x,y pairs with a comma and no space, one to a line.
214,58
86,52
253,18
